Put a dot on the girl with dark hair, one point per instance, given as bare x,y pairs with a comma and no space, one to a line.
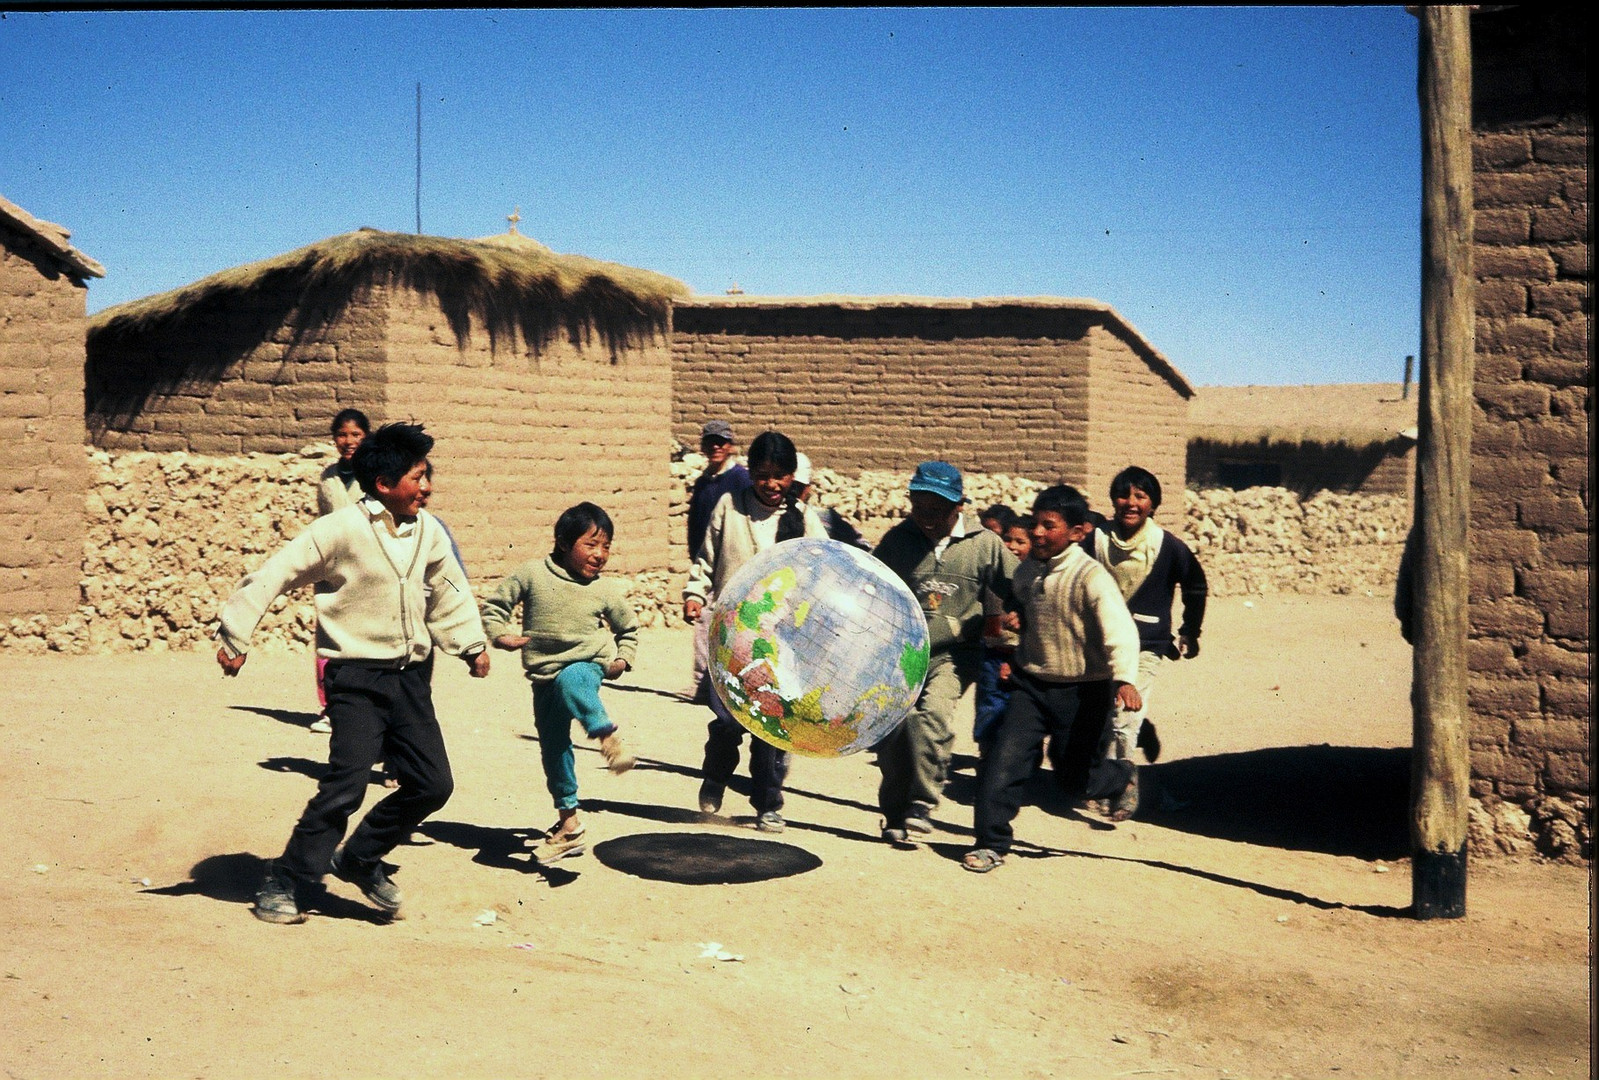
337,488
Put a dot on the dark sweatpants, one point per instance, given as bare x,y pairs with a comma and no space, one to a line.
1076,717
379,713
768,764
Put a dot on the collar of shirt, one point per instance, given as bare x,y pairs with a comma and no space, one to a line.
380,513
956,533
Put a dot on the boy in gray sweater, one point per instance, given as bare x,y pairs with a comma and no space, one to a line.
576,630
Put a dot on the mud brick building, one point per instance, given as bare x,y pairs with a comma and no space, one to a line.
1053,389
1531,513
1348,438
43,291
544,377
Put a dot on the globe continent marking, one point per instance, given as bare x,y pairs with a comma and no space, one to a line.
817,648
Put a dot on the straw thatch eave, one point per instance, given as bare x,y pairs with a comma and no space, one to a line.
1354,416
521,290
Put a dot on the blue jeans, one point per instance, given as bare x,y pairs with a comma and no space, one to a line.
574,694
992,697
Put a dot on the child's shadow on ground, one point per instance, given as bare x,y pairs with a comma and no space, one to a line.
282,716
234,878
503,849
316,770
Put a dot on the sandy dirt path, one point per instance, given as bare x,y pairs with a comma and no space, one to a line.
1249,923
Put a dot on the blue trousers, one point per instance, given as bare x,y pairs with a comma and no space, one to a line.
574,694
992,698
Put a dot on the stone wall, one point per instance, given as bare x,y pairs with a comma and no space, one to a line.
41,429
1061,392
1531,737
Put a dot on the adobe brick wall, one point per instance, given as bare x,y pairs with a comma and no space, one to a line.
1002,389
523,436
41,430
224,384
1531,514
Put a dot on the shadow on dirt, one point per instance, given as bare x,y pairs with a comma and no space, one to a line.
1351,801
704,858
503,849
234,878
282,716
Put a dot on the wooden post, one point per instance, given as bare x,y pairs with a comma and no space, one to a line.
1440,761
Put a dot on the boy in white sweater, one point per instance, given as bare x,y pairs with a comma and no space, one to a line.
1078,654
388,590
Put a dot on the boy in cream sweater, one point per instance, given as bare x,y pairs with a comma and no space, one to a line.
388,590
1078,654
576,629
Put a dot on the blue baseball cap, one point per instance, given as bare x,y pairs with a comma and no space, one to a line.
939,478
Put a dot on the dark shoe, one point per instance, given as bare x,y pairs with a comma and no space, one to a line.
711,798
771,821
917,820
1125,805
274,901
1149,741
372,880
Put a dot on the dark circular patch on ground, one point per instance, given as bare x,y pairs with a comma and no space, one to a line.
703,858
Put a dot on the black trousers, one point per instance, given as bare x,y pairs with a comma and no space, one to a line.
768,764
1076,717
378,714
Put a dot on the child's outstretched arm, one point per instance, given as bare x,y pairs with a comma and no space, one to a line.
298,563
499,610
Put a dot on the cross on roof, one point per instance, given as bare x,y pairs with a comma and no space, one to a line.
513,217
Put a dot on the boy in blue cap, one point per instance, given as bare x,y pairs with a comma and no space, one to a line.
951,566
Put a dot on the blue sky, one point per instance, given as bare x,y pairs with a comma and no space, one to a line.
1243,184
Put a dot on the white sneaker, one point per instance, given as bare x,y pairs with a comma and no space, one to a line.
322,725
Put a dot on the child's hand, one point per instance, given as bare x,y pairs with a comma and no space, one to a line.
614,669
1011,621
1127,697
1187,646
1004,671
692,609
478,664
230,664
511,641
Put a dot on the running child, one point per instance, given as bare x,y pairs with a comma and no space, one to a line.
743,524
1150,565
993,678
576,629
1078,655
388,591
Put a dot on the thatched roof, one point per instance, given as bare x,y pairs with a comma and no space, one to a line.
1338,414
1113,319
53,238
510,285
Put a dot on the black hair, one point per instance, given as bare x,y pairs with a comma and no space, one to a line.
1134,477
1000,513
1065,500
1024,522
391,452
774,449
575,523
345,416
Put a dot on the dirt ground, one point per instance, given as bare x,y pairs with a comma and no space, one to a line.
1250,923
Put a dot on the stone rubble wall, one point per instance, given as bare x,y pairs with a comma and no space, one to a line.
170,535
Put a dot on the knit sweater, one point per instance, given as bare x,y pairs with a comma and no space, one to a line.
567,619
336,489
1150,602
1075,625
951,585
369,606
735,534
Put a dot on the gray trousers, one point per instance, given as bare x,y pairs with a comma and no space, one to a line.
914,758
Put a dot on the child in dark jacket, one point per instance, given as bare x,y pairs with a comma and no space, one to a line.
1150,565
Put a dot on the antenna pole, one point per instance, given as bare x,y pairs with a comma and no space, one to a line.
419,159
